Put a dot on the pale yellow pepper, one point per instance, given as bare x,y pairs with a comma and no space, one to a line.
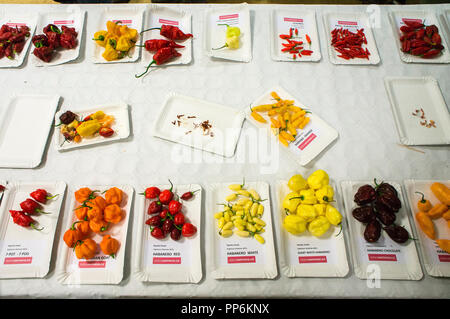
88,128
319,226
318,179
307,212
291,201
294,224
325,194
333,215
297,183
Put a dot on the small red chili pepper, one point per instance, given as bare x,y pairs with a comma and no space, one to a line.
164,214
284,36
2,188
308,39
21,219
171,32
413,24
41,196
188,230
179,219
296,31
166,195
188,195
160,57
106,132
151,192
31,207
154,208
431,54
154,45
174,207
290,33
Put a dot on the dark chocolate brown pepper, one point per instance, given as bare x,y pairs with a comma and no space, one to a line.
364,214
397,233
365,195
373,231
67,117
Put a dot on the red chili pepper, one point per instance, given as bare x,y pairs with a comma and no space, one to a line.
166,195
171,32
188,195
431,54
420,50
290,33
308,39
436,38
188,230
164,214
106,132
31,207
41,195
160,57
156,44
284,36
21,219
44,53
151,192
306,52
179,219
413,24
296,31
158,233
174,207
2,188
155,207
154,221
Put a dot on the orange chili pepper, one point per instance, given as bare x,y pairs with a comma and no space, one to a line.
441,192
109,246
444,244
308,39
446,215
85,249
83,227
423,205
72,235
98,226
82,194
113,196
81,212
437,211
426,225
95,213
98,201
113,213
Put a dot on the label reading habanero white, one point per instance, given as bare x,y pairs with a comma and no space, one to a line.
21,252
168,252
385,250
304,138
230,19
349,24
245,251
312,251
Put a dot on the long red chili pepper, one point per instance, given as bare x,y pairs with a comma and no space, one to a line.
31,207
41,196
171,32
21,219
349,44
156,44
160,57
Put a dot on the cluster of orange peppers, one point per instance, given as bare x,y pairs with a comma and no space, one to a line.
428,212
284,116
95,214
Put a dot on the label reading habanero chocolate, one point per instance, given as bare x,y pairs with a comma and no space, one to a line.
246,251
385,250
23,252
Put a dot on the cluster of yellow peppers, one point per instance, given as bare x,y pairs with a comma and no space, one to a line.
284,116
308,205
243,211
117,40
89,126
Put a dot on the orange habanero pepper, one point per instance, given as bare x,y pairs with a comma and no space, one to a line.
113,196
95,213
98,226
113,213
109,246
81,212
83,227
85,249
437,211
444,244
72,235
98,201
83,194
423,205
441,192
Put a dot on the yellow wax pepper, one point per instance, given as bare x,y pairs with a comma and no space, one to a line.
291,201
320,209
307,212
297,183
294,224
307,196
232,43
231,38
88,128
325,194
100,37
318,179
319,226
333,215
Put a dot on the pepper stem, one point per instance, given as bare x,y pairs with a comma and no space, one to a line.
41,212
171,185
34,227
423,197
51,197
150,29
146,70
224,46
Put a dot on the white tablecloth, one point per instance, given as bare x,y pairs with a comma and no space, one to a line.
350,98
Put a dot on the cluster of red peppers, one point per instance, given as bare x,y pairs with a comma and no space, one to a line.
349,44
31,207
295,47
167,217
165,49
420,40
12,40
53,39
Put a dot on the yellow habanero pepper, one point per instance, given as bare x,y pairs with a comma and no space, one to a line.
232,43
318,179
113,28
98,115
307,212
291,201
110,54
319,226
320,209
308,197
297,183
124,44
325,194
128,33
294,224
100,37
333,215
88,128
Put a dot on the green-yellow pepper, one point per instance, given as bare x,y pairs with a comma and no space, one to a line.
291,201
319,226
318,179
333,215
307,212
294,224
325,194
231,38
297,183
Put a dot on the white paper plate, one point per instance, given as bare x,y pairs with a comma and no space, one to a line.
226,124
19,148
3,183
156,17
406,95
101,269
352,22
428,18
445,21
26,19
305,22
237,15
130,16
436,261
310,141
73,19
226,263
167,260
384,259
121,126
308,256
25,252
